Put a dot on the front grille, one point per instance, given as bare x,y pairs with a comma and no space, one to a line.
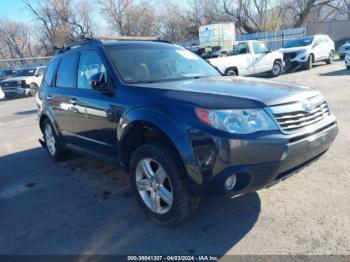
287,56
296,120
9,86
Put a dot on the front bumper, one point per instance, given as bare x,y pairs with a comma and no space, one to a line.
16,90
259,162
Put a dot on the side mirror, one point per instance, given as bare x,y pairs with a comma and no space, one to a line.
37,75
99,83
268,51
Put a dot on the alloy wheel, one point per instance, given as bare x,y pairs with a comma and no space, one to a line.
50,140
154,186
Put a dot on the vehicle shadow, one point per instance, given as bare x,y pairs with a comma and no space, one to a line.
27,112
341,72
83,206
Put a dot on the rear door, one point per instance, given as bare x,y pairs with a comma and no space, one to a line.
59,94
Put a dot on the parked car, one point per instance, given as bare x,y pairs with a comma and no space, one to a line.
344,49
4,74
347,60
24,82
179,128
249,58
308,50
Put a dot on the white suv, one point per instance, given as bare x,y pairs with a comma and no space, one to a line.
24,82
347,60
308,50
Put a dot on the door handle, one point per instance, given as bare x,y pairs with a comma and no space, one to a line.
48,97
73,101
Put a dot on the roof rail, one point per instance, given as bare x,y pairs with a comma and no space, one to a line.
89,40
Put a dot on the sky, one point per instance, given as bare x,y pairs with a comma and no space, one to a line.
14,10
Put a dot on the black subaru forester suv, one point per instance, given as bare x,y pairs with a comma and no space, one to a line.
176,125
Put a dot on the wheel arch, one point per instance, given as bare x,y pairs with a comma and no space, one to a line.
234,68
145,126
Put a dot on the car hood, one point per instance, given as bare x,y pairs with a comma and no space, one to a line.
266,92
294,49
345,46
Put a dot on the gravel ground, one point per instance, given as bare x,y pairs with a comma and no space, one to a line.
83,206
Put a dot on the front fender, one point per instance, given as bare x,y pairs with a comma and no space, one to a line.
175,130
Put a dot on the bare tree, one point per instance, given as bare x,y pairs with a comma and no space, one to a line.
128,17
60,21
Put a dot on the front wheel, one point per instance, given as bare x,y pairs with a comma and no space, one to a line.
348,67
330,58
309,62
276,69
157,179
33,89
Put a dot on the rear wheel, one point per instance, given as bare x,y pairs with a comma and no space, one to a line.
330,58
309,62
52,143
157,179
276,69
231,72
348,67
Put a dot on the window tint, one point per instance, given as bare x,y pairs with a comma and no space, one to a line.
50,72
259,48
66,73
90,64
241,48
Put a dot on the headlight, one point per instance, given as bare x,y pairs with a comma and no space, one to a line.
242,121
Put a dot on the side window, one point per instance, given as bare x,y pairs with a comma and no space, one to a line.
50,72
90,64
259,48
41,71
241,48
66,73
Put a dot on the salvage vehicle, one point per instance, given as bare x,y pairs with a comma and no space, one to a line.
249,58
347,60
178,127
306,51
344,49
25,82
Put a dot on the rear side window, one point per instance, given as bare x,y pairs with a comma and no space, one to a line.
50,72
67,71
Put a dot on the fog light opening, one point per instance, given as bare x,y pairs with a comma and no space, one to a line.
230,182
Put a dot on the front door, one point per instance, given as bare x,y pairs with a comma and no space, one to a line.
94,122
262,59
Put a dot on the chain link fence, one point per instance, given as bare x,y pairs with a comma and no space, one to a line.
21,77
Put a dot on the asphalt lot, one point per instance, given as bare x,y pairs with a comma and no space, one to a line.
83,206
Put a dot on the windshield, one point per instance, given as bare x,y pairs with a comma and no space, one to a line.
157,63
6,73
300,42
25,72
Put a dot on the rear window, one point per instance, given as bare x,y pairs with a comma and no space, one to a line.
67,71
50,72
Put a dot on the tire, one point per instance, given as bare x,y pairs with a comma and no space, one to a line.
309,62
276,69
330,58
163,193
231,72
33,89
53,146
348,67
